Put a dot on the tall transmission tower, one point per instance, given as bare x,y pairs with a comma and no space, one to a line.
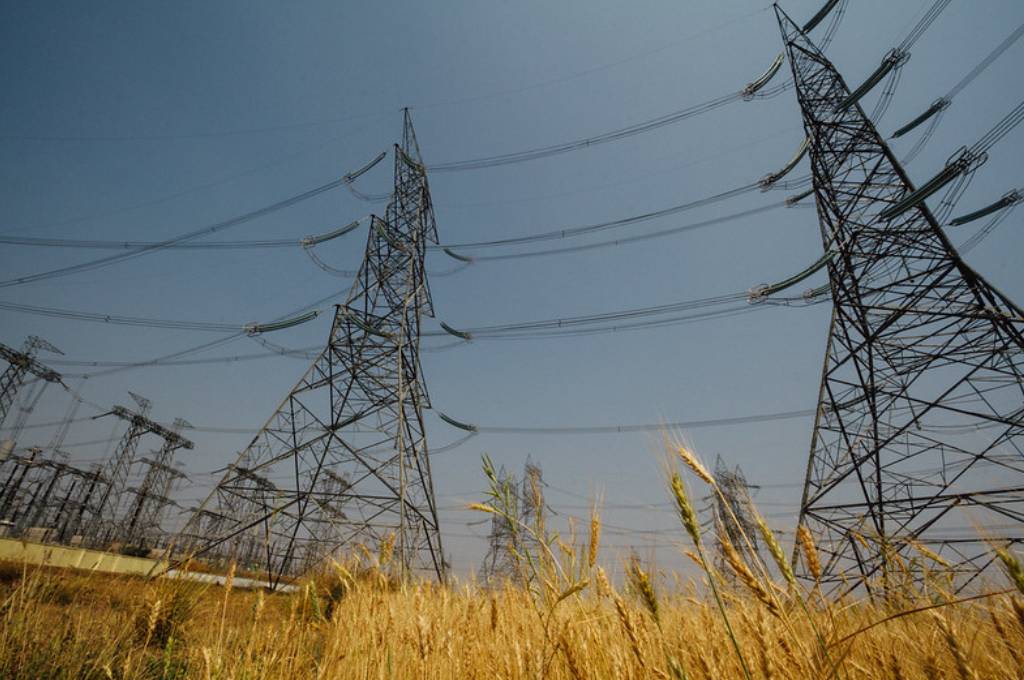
106,523
22,364
507,543
153,495
731,510
11,494
343,460
920,417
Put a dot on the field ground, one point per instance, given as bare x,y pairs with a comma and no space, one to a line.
72,624
748,618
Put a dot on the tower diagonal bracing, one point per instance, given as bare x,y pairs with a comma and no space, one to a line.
343,460
918,434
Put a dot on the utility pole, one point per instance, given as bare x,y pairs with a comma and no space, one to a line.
357,412
921,406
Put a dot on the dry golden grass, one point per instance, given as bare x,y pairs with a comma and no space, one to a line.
77,625
563,619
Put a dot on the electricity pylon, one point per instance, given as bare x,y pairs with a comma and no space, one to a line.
106,524
920,417
343,460
510,540
21,364
153,495
732,513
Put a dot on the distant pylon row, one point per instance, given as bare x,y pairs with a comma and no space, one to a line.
45,498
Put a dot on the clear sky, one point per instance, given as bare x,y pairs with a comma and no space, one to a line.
141,121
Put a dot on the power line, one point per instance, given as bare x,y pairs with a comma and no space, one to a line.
203,346
633,239
568,232
145,250
619,133
379,113
641,427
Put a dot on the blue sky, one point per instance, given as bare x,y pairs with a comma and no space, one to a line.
139,122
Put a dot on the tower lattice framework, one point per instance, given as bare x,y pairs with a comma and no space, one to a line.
343,460
918,433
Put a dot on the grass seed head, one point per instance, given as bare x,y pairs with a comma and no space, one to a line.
641,582
776,550
692,462
803,536
686,514
595,538
745,575
1013,567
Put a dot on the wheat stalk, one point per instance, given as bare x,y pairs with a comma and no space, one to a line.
742,571
803,536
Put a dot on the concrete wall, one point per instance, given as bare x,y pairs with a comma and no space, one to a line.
14,550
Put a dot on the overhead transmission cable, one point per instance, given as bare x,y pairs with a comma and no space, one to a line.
936,111
627,428
188,236
383,112
569,232
767,182
146,322
112,244
714,221
605,137
207,345
895,58
1000,210
960,166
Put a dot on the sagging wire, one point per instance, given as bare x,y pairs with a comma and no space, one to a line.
623,241
203,346
111,244
924,138
962,163
146,322
628,428
1000,210
587,142
629,131
599,226
935,112
895,58
351,177
769,180
587,324
161,245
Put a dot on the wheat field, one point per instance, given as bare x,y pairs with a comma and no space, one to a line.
561,617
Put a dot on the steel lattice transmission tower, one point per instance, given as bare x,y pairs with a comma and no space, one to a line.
343,460
22,364
153,495
920,418
108,523
733,516
507,544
